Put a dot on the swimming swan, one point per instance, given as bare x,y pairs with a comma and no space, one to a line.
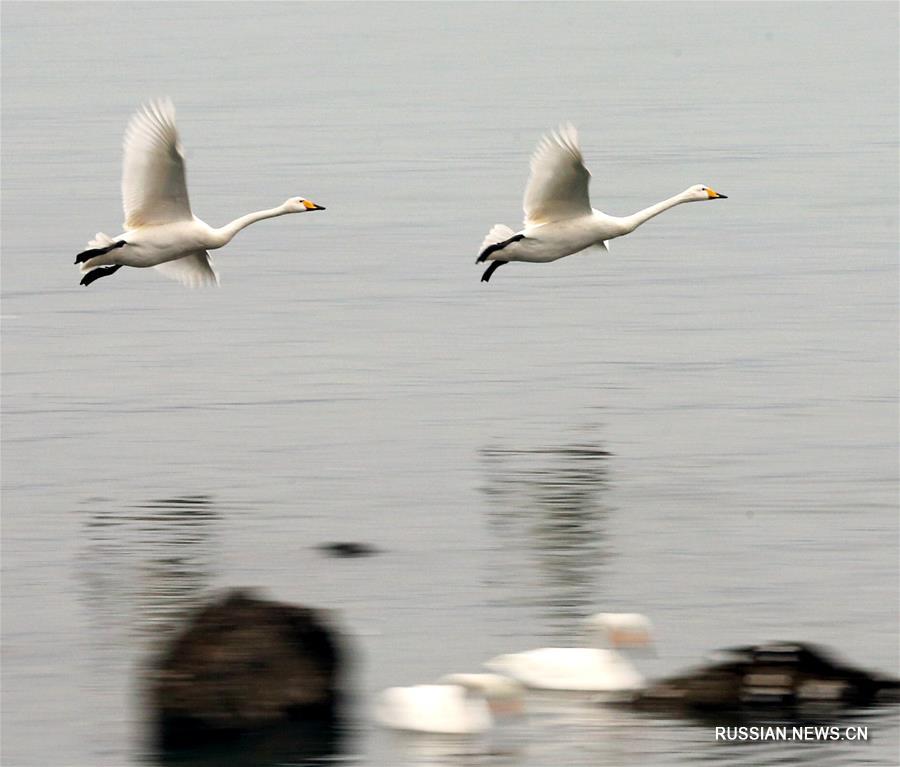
459,704
559,219
160,230
583,668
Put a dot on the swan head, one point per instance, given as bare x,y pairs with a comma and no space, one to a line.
300,205
622,630
703,192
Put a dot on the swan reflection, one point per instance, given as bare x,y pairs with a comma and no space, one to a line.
548,516
432,750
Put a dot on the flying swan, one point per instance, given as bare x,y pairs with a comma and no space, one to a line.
559,219
160,230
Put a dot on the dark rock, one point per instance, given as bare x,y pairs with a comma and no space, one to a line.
242,663
347,549
782,674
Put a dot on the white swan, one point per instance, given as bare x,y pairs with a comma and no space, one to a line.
160,230
584,668
559,219
459,704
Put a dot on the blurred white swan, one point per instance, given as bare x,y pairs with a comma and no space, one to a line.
160,230
459,704
594,669
559,219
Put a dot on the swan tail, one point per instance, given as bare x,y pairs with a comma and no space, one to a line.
497,239
498,234
101,241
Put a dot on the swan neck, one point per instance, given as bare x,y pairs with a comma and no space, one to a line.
228,231
636,219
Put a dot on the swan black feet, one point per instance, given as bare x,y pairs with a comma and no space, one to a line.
86,254
495,265
497,246
100,271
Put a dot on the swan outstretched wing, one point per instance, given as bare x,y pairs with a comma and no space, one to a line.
154,190
195,270
558,186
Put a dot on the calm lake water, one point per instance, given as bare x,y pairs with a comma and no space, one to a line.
700,426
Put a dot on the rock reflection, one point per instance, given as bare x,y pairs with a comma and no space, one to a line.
547,513
287,745
142,566
139,568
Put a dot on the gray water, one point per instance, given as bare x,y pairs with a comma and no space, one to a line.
700,426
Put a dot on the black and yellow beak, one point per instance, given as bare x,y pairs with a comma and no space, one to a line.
714,195
312,206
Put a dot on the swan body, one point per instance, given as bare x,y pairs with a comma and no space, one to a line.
459,704
570,668
559,219
160,230
439,708
595,669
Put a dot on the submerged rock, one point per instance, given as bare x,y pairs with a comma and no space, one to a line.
774,674
241,663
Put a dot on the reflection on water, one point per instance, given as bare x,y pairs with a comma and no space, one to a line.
288,745
612,735
547,512
415,749
140,567
143,565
